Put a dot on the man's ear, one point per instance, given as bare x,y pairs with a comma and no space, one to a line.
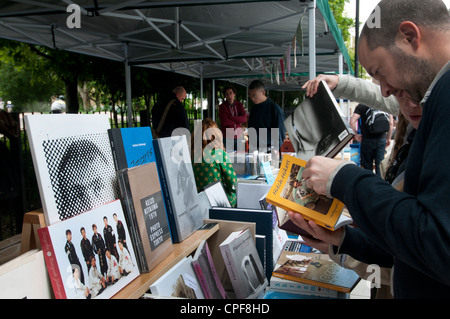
409,35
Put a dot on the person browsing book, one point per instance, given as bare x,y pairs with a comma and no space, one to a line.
410,228
210,161
232,116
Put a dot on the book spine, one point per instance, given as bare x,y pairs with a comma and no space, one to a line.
52,264
127,204
166,195
201,278
117,149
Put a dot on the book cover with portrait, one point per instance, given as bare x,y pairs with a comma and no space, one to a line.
73,162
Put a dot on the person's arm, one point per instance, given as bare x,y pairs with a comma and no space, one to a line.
355,89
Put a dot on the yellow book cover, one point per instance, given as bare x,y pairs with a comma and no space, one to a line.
290,193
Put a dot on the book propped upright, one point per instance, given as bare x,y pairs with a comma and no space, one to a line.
146,214
290,193
178,186
131,146
243,265
318,126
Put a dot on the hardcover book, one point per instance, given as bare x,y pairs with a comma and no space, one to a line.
146,214
264,227
318,126
206,273
179,281
243,265
73,163
290,193
178,186
315,269
131,146
216,195
84,257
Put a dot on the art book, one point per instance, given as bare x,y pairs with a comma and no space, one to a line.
88,256
290,193
131,146
264,227
179,281
315,269
243,265
146,214
318,126
207,274
178,186
216,195
73,163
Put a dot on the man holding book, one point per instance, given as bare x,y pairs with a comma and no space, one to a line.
408,230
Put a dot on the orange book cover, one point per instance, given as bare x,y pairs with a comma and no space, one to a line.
290,193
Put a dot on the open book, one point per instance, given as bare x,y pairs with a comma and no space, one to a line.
290,193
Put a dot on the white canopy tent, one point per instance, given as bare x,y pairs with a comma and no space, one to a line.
219,39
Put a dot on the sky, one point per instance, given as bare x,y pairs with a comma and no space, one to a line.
366,8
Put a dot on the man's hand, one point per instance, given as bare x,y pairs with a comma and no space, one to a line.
323,237
317,173
312,85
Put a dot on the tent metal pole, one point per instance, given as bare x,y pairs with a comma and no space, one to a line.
128,88
214,99
312,38
201,91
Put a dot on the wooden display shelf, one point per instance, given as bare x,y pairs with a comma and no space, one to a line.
142,283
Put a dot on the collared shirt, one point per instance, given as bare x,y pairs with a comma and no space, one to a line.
436,79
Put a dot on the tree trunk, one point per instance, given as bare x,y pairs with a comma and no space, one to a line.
72,105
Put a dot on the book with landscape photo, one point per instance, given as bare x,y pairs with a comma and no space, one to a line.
84,257
146,214
131,146
290,193
206,273
73,163
178,186
318,126
179,281
315,269
243,265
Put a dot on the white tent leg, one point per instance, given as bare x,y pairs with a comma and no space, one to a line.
128,88
312,38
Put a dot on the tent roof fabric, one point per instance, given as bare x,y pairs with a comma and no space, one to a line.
217,39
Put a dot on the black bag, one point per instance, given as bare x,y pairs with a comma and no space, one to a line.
377,122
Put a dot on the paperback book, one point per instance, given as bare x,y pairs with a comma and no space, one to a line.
178,186
318,126
85,260
73,163
131,146
146,214
315,269
290,193
243,265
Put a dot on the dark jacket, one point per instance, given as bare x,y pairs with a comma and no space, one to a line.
411,229
177,116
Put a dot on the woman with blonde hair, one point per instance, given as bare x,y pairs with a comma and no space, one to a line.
210,160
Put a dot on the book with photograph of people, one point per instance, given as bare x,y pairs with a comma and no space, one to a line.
89,255
73,163
318,126
291,193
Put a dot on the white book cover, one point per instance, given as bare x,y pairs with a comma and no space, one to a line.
85,255
180,281
25,277
184,211
243,265
73,162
